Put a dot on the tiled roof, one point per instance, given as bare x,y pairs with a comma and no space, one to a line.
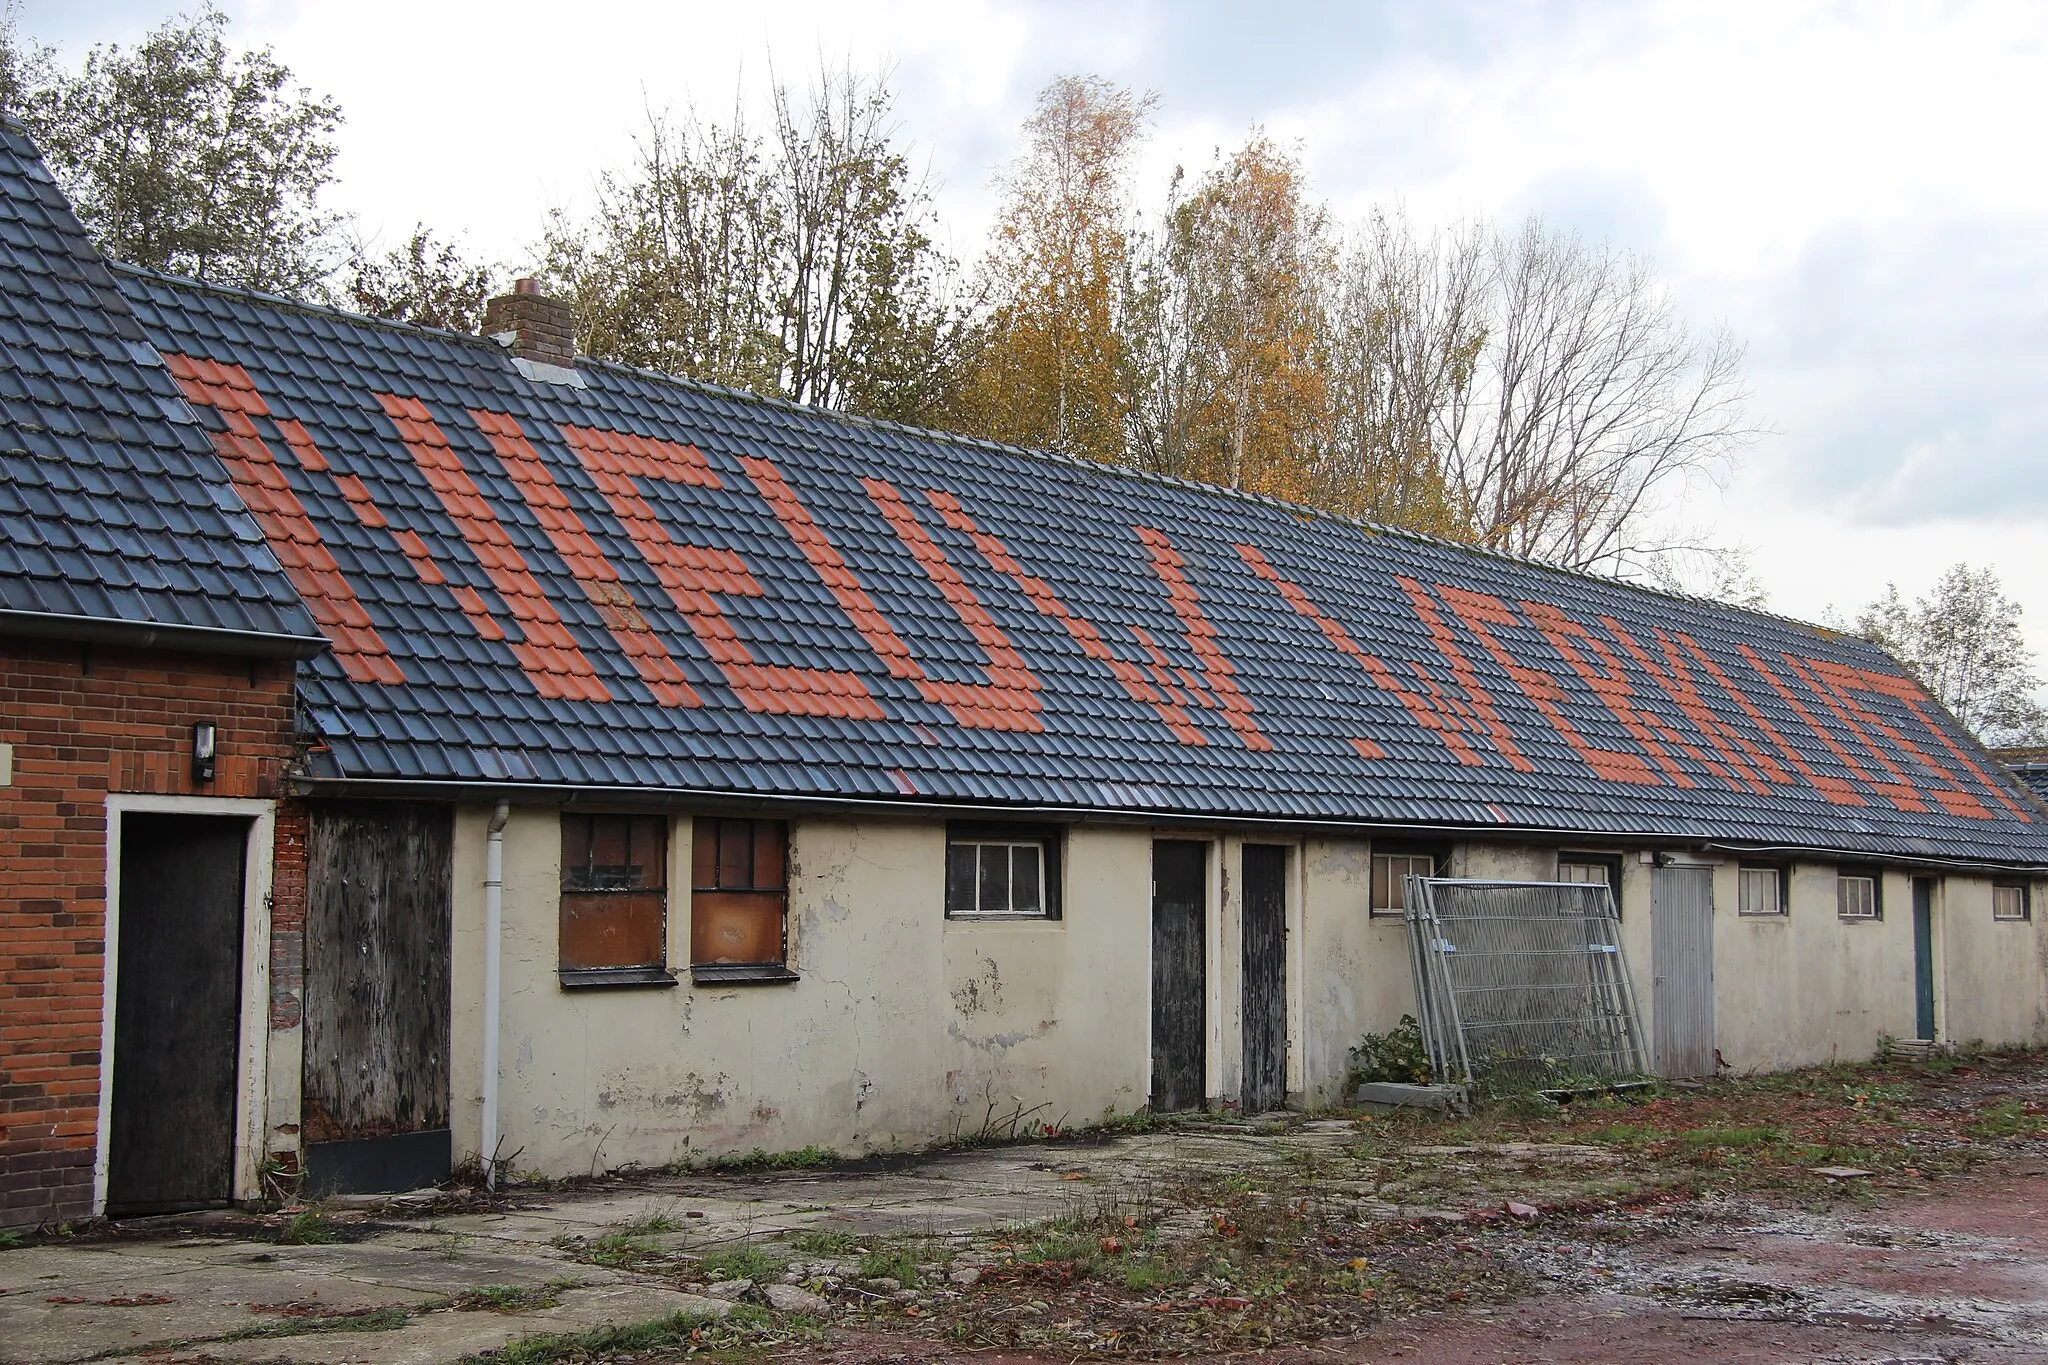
644,583
2030,766
115,520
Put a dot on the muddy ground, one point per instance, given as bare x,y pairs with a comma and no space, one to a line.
1890,1212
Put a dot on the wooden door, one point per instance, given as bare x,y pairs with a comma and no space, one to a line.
379,885
1180,987
1923,958
1682,963
177,1012
1264,949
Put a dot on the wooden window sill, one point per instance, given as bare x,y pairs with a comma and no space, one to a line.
737,974
604,978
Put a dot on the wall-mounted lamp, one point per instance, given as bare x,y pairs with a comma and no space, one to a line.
202,751
1667,860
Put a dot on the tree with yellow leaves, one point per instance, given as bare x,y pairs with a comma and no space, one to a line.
1046,367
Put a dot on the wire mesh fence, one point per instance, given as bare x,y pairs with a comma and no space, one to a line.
1523,984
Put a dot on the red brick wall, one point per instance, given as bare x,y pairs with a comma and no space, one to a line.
85,721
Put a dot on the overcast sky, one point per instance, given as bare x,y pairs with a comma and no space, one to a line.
1856,190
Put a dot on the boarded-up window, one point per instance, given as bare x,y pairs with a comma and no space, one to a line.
998,873
1762,889
1388,869
739,891
1856,896
614,892
2010,901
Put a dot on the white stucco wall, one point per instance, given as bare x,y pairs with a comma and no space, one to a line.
907,1027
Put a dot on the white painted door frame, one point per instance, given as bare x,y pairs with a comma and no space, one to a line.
251,1052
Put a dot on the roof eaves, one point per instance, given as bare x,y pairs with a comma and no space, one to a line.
152,635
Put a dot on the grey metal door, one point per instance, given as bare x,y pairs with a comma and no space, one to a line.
1265,978
1180,992
1682,967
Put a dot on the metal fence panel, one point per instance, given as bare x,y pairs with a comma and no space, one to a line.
1523,982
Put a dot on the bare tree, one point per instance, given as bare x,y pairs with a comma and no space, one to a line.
1590,406
1963,642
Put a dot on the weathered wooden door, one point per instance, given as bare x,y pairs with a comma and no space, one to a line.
379,882
1682,963
1264,945
177,1012
1923,958
1180,988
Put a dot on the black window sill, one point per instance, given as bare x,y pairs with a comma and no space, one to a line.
605,978
735,974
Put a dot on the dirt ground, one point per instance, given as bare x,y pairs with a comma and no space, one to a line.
1892,1212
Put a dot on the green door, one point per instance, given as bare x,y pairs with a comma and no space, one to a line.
1923,958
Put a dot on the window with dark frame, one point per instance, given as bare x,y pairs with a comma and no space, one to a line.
739,900
1762,889
1594,869
997,872
614,909
1859,894
1389,869
2011,900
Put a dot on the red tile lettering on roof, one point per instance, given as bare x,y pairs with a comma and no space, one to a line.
696,577
1899,791
547,653
1602,673
1431,709
1479,611
1041,596
1807,718
585,560
1676,680
1171,571
1833,788
1480,705
1009,699
1839,684
1914,698
282,518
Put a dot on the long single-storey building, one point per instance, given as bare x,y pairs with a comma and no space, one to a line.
687,772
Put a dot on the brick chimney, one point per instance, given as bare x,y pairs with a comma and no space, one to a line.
532,326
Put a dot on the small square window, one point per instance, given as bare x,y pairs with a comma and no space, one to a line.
1389,871
2011,901
1593,869
1858,897
995,873
1761,888
614,907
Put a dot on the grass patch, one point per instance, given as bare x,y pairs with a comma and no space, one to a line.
802,1159
822,1242
895,1263
741,1263
2006,1119
744,1327
10,1239
510,1298
308,1229
1762,1135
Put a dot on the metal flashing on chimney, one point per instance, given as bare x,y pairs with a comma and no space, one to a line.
540,372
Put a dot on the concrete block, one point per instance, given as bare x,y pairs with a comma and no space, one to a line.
1384,1097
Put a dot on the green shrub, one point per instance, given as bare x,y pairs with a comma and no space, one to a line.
1397,1056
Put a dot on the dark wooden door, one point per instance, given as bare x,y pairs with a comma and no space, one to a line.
177,1012
1265,978
379,887
1180,988
1923,958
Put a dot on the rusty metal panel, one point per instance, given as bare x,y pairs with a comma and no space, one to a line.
735,927
614,929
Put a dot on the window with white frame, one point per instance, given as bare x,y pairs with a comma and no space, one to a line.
1595,869
1858,896
1761,889
999,873
1390,868
2009,900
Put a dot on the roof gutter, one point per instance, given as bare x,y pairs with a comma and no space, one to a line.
706,798
100,630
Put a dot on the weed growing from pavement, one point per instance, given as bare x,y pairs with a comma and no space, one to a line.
307,1228
744,1330
741,1263
822,1242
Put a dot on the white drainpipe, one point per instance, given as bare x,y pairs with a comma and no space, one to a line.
494,923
